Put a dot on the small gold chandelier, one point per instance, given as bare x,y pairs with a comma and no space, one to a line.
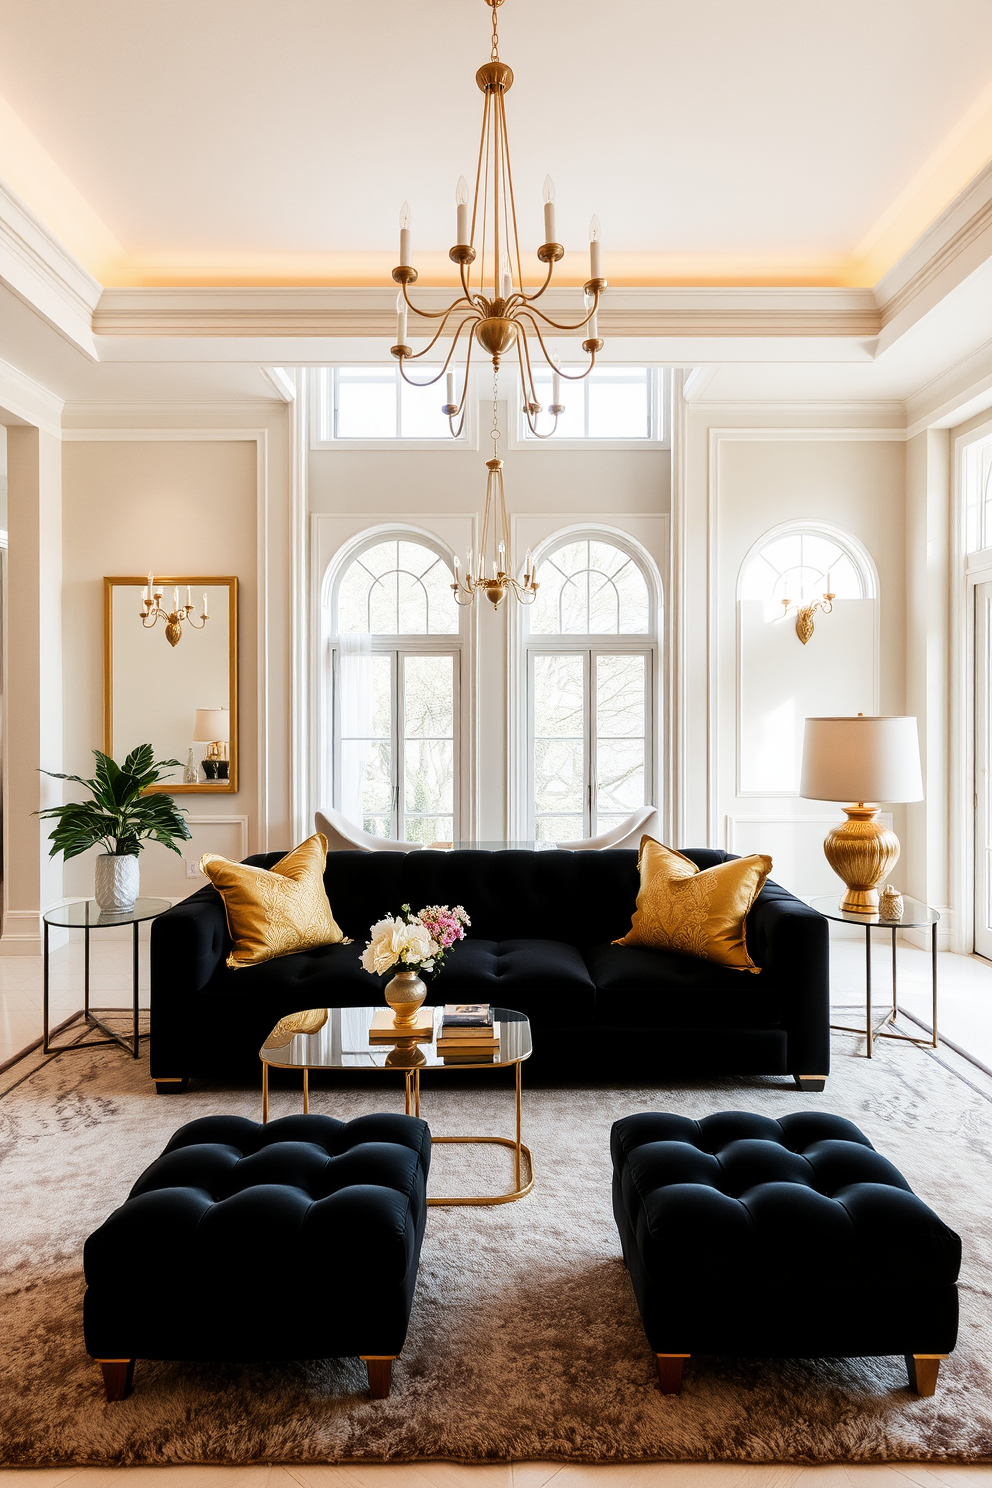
152,611
502,319
490,573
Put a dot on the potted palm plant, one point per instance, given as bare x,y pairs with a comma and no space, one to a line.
120,817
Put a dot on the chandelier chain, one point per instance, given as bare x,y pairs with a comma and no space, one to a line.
494,434
494,54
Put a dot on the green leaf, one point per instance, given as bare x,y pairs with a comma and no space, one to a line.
119,816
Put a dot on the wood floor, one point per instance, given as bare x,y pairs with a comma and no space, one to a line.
510,1475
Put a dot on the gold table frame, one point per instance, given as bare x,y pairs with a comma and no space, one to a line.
523,1162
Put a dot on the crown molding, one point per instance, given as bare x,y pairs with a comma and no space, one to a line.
957,243
301,311
955,395
34,264
28,402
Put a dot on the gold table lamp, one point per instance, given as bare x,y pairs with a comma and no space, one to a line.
864,760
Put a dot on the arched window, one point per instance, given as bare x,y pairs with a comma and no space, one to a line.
592,687
782,681
800,564
394,667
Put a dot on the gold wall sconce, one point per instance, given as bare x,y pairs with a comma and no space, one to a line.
152,611
804,612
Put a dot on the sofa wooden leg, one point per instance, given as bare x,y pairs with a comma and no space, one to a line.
922,1370
118,1375
670,1373
810,1084
171,1084
380,1368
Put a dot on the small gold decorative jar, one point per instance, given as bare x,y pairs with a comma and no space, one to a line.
890,904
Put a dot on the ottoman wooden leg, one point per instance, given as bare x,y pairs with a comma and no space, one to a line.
670,1372
117,1377
380,1368
922,1370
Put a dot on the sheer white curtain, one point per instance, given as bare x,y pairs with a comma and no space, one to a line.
355,704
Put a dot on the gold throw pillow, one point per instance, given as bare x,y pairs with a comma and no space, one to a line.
275,911
697,913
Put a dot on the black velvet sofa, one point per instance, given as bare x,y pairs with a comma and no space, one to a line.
542,923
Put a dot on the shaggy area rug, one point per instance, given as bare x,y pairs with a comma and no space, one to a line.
525,1341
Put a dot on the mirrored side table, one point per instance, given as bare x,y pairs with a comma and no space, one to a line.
915,916
86,915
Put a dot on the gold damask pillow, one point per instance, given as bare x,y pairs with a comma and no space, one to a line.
698,913
275,911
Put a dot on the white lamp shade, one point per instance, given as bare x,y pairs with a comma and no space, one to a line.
212,725
861,759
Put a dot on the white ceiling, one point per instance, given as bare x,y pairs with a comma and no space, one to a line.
292,126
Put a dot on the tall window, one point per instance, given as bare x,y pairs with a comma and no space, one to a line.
395,662
374,403
591,689
612,403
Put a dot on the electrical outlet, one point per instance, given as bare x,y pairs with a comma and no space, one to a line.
192,868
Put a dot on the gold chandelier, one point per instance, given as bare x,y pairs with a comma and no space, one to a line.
499,314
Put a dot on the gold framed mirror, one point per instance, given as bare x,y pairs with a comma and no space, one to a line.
170,672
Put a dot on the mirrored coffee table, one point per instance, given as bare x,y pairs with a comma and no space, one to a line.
338,1039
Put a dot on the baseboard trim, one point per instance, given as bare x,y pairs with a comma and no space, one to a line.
22,934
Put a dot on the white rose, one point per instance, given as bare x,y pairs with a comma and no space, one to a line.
383,949
416,943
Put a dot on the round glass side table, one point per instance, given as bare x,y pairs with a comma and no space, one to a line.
86,915
915,916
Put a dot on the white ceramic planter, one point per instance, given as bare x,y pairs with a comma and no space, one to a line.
116,882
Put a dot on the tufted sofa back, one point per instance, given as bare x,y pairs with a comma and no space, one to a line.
584,898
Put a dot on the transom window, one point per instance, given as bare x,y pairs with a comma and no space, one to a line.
978,495
591,690
394,664
374,403
800,566
621,403
397,588
589,587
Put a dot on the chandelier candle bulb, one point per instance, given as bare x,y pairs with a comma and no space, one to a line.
549,210
461,202
506,281
555,388
205,609
400,320
450,383
595,261
189,598
405,235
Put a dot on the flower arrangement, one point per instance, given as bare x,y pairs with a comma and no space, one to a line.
417,941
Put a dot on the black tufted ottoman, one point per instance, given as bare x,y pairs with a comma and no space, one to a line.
295,1240
790,1238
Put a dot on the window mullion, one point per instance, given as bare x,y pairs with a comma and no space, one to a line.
590,743
398,750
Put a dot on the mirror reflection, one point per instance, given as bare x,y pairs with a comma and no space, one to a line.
170,675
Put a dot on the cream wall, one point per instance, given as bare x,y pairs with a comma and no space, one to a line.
177,507
546,488
742,473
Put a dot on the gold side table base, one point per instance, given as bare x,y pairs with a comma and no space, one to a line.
519,1192
521,1153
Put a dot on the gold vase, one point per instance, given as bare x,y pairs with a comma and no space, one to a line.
404,993
861,852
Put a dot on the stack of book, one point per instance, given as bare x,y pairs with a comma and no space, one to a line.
467,1034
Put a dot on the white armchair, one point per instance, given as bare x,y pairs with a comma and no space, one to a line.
627,833
343,836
